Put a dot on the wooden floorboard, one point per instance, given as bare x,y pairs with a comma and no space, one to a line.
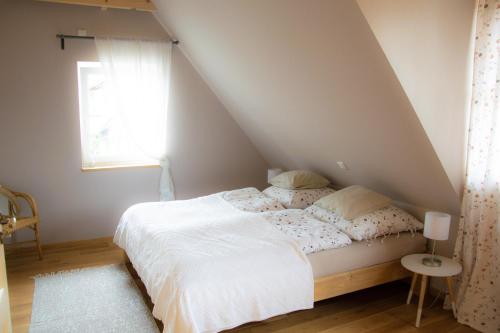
378,309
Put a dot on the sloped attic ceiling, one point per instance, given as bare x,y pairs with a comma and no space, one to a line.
310,86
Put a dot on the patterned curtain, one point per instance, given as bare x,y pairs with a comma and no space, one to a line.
478,243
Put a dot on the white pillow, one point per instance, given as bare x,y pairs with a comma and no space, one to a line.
299,179
353,201
242,194
386,221
251,200
299,199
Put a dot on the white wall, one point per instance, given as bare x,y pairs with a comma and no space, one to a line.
39,123
428,44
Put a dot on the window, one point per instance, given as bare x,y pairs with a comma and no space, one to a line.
105,137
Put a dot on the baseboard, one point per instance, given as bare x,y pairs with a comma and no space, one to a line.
29,245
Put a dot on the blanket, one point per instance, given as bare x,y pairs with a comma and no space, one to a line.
208,266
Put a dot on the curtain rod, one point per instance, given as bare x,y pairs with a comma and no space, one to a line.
62,37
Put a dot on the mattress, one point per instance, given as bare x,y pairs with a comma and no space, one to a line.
365,253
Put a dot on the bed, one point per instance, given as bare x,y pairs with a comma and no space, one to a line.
216,262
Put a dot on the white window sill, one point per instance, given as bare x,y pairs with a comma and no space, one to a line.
117,167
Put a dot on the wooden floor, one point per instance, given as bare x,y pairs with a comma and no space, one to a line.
379,309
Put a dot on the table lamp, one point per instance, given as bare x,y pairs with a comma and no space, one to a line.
271,173
436,227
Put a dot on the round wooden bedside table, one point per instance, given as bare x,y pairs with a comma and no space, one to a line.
448,269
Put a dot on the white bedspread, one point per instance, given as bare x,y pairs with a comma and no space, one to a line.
209,266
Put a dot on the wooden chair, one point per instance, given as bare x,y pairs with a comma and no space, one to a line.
12,222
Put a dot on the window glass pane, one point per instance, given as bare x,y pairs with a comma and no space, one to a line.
104,134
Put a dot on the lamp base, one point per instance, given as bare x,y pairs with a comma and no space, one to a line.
431,262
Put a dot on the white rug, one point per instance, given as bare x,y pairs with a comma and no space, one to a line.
101,299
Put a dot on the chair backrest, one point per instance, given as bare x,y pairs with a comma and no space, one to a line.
11,201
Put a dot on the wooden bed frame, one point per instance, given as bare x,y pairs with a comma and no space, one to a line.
347,282
358,279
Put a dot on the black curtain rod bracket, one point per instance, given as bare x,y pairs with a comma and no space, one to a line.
62,37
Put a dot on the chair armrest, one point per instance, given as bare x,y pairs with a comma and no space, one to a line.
30,200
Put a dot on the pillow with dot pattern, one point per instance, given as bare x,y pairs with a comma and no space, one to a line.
382,222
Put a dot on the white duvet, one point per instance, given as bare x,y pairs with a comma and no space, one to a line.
209,266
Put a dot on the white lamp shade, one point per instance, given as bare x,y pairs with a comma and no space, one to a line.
437,225
271,173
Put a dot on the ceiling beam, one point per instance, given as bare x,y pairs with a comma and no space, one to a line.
144,5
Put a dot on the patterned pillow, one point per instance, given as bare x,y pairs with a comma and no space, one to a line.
297,198
251,200
311,234
382,222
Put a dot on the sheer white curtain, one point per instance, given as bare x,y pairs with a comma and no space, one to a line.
478,242
138,77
